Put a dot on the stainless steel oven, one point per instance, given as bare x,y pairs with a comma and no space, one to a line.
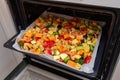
24,12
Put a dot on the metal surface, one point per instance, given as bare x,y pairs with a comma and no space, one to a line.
16,71
105,3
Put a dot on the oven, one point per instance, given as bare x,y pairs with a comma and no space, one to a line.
24,12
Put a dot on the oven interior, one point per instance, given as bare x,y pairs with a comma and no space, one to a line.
27,11
32,11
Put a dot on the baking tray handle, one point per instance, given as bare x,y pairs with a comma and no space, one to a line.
10,42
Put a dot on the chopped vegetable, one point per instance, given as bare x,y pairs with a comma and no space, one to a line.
66,59
86,47
87,59
56,57
52,37
55,33
94,41
76,56
80,52
37,38
79,47
33,37
56,52
75,41
79,37
71,63
81,61
60,37
59,27
49,25
63,56
33,42
91,47
25,47
71,41
20,43
48,52
78,66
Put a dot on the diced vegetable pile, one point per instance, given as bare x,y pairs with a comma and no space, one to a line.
70,41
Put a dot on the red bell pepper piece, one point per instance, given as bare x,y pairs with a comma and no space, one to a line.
87,59
75,19
49,44
60,37
42,26
48,52
46,30
37,38
68,26
69,38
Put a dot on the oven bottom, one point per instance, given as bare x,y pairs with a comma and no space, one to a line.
33,73
26,71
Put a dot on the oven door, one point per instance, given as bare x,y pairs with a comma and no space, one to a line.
27,71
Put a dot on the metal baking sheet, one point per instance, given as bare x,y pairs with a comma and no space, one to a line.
87,68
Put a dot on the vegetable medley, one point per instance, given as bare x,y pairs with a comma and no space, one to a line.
70,41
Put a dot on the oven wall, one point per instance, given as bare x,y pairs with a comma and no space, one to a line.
116,72
8,59
108,3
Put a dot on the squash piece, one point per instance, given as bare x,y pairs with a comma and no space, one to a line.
79,37
52,37
60,48
37,22
78,66
38,35
63,56
32,50
86,54
29,45
80,52
94,40
77,56
28,34
66,35
71,63
56,57
44,38
86,47
38,51
89,54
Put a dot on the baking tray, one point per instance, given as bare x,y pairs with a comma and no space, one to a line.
88,68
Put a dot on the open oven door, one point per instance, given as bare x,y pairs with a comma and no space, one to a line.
29,70
24,12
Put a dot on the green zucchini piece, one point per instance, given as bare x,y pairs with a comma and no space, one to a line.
77,60
81,61
66,59
91,47
20,43
55,33
79,47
